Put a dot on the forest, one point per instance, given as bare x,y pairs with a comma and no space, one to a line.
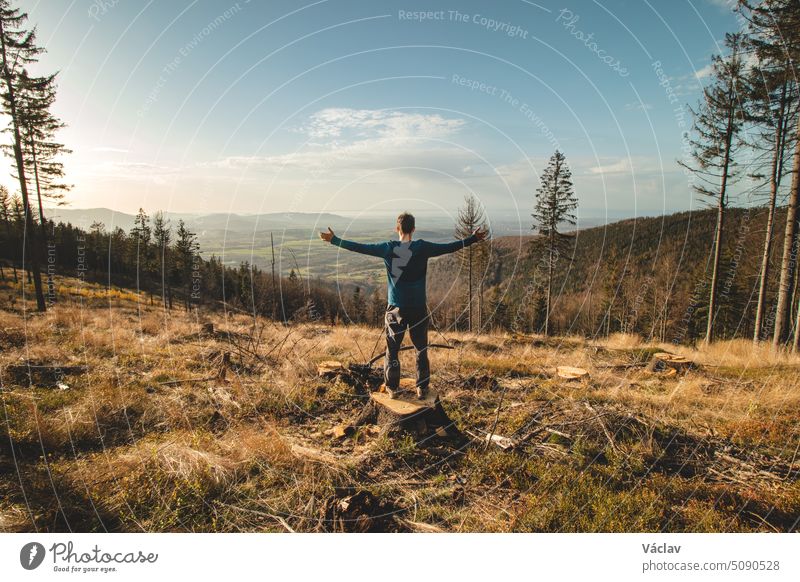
727,271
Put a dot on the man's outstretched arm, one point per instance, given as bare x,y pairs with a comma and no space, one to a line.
375,250
438,249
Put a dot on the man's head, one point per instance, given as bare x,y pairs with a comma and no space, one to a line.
405,224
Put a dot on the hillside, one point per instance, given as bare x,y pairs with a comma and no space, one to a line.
160,430
645,275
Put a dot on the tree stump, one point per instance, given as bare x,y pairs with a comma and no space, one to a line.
406,413
664,362
331,369
571,373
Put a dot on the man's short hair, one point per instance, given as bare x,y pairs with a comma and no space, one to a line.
406,222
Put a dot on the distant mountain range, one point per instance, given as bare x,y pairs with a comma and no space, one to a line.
221,226
84,217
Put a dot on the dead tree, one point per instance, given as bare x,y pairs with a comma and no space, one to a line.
717,125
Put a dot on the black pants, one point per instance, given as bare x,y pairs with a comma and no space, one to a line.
398,319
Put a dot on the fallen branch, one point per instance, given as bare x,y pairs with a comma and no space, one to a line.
185,380
557,432
620,366
279,344
504,443
277,518
603,426
496,420
420,527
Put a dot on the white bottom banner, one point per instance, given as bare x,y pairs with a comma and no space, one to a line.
389,557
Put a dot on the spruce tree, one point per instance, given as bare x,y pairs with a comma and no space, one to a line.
772,106
717,126
186,249
18,49
140,250
162,236
775,32
39,126
555,208
472,217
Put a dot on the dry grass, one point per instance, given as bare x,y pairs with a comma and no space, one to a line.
151,438
622,341
738,353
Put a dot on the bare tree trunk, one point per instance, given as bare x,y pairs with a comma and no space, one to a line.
274,288
789,251
51,285
469,289
794,314
38,187
549,289
773,194
480,305
712,300
796,341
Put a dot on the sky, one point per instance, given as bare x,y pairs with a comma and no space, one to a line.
358,107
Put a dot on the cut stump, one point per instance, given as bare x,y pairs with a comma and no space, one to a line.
571,373
406,413
331,369
666,362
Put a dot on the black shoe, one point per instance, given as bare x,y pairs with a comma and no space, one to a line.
392,392
422,393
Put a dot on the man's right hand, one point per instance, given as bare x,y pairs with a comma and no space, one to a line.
481,235
326,236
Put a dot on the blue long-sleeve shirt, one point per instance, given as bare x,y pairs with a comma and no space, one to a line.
406,264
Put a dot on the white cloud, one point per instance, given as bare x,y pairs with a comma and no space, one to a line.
365,123
639,166
348,140
704,72
621,166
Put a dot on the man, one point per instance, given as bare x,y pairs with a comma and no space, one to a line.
406,268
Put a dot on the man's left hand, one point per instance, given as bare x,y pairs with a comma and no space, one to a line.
326,236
